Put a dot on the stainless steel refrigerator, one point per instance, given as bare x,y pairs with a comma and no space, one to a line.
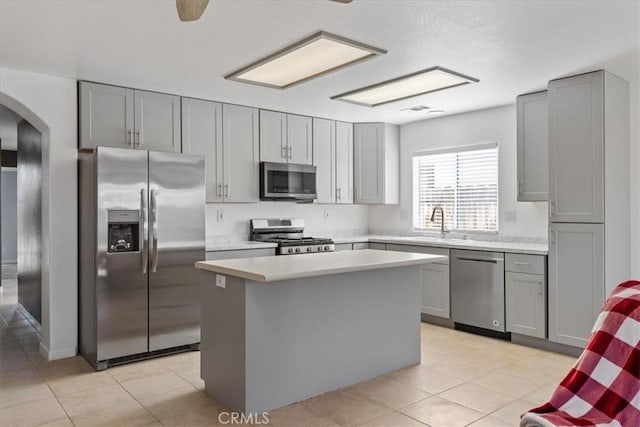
141,227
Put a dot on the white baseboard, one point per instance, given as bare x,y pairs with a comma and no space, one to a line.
60,353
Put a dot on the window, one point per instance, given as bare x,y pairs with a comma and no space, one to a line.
463,182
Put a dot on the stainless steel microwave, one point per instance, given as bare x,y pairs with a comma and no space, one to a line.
287,181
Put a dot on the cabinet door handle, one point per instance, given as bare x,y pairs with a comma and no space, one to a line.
338,193
290,152
130,133
540,288
552,207
283,152
219,190
520,188
521,263
226,190
552,240
137,141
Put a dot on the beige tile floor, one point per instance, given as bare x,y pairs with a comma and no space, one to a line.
463,380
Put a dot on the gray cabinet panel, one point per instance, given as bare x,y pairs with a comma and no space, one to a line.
324,158
369,162
299,139
525,296
576,281
106,116
202,134
361,245
435,290
240,253
576,149
273,136
343,246
344,162
533,143
378,246
157,121
525,263
241,154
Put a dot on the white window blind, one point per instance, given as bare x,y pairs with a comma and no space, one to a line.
463,182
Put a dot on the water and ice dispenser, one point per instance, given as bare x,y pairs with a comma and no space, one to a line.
123,231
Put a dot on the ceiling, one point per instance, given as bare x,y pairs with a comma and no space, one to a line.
511,47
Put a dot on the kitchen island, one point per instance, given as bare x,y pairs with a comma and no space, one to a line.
276,330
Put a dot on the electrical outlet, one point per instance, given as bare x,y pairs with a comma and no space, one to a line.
220,215
221,281
327,214
509,216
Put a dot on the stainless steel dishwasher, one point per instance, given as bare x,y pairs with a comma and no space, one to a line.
477,289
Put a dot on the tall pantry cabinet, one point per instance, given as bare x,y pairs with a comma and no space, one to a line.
588,199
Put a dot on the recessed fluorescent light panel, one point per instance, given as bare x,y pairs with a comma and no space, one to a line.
414,84
311,57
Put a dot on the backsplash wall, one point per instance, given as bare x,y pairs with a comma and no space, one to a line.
490,125
342,219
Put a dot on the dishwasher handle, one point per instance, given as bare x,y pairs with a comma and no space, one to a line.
480,259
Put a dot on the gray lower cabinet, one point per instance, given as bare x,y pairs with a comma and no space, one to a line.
343,246
576,281
525,300
378,246
120,117
434,278
240,253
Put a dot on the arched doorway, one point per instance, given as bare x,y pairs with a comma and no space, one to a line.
21,294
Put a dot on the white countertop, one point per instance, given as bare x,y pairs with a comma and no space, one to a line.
497,246
269,269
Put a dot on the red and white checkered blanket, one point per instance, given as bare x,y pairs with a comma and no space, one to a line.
603,388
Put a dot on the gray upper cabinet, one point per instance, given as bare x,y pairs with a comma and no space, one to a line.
126,118
324,158
576,149
157,121
285,138
202,134
376,163
273,136
533,143
227,137
300,139
106,116
576,281
344,162
240,136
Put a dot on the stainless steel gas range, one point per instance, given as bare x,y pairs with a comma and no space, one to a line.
288,233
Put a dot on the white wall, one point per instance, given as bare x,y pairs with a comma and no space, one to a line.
9,216
50,104
342,220
495,124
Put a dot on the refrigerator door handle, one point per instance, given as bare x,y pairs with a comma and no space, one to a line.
145,231
154,231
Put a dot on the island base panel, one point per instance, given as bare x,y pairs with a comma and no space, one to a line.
266,345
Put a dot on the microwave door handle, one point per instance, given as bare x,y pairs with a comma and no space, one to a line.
145,231
154,231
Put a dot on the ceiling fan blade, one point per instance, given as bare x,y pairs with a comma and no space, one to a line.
191,10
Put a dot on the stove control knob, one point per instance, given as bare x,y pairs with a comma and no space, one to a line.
290,250
309,249
326,248
298,250
319,248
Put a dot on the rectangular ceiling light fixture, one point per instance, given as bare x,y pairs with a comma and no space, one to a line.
310,57
414,84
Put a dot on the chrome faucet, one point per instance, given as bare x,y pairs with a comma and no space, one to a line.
433,217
